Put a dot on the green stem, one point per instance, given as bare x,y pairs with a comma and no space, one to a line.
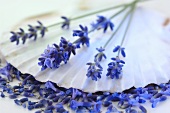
119,12
121,23
99,11
92,13
54,24
127,28
110,18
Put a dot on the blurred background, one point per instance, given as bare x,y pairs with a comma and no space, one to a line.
13,12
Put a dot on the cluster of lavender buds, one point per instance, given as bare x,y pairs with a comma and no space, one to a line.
115,68
55,55
100,55
53,99
83,34
66,23
102,23
95,69
32,33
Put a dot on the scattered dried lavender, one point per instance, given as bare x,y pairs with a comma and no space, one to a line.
53,98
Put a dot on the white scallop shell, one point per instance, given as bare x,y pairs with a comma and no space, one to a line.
147,60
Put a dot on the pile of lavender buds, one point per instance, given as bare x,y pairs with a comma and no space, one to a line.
54,99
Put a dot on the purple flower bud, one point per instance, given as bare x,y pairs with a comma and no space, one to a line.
24,105
83,34
66,23
30,107
39,105
102,23
13,96
27,94
17,102
142,109
23,100
51,96
116,48
2,95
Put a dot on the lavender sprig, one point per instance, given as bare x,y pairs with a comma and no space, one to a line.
55,55
100,55
89,14
115,68
33,32
94,71
102,22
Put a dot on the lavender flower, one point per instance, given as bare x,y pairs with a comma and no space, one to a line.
75,93
83,34
16,36
121,49
155,101
66,23
60,109
112,109
100,55
50,85
97,107
94,71
102,23
115,68
53,56
75,104
33,30
2,94
32,33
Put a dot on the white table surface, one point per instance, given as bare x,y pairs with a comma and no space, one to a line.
14,11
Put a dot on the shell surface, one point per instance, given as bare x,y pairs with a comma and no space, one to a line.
147,58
